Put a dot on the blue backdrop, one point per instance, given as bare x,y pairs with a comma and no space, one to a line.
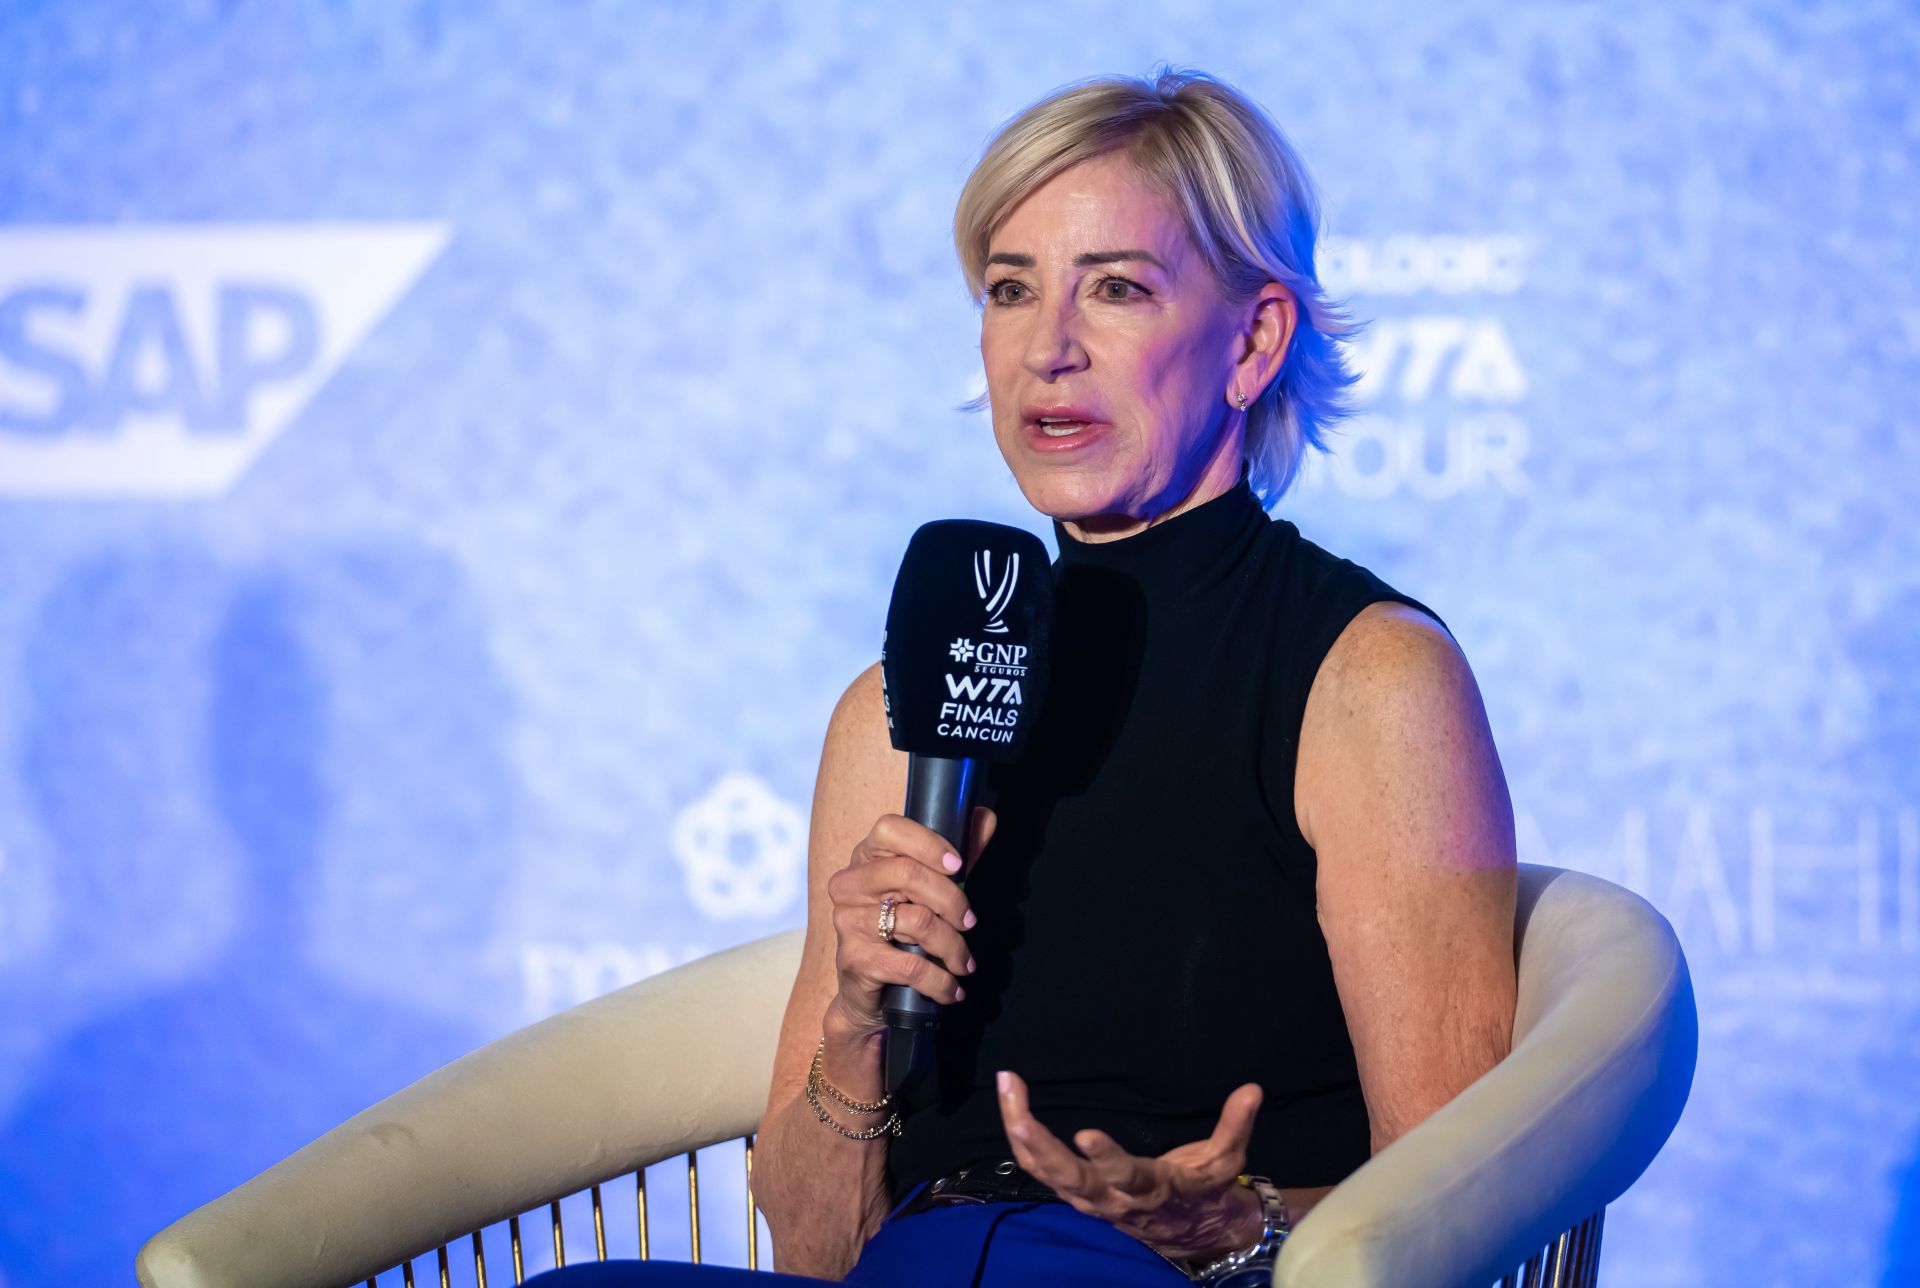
453,455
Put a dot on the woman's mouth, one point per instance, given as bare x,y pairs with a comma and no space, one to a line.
1062,433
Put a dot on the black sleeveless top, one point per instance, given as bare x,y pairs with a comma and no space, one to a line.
1146,938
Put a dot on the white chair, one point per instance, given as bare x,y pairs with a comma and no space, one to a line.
1516,1169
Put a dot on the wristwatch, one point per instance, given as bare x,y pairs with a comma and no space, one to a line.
1251,1267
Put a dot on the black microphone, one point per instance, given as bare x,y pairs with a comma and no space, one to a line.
963,670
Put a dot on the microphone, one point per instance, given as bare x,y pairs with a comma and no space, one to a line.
963,672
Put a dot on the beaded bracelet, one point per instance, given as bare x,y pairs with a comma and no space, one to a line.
816,1080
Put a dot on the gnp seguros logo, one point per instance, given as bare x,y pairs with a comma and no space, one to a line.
162,360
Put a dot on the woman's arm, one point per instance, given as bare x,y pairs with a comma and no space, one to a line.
1399,790
825,1195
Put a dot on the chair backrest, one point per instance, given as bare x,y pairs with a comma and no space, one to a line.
673,1063
1605,1036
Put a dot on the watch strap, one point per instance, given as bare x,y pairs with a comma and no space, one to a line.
1232,1270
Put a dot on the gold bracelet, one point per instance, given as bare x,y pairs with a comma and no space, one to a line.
815,1082
816,1077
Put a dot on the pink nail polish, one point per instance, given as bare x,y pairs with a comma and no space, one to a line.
1000,1080
967,921
951,862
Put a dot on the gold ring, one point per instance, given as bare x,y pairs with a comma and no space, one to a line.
886,918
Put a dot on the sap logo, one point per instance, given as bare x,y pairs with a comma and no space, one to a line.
1467,359
162,360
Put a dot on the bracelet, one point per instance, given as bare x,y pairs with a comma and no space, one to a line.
815,1075
816,1080
1252,1265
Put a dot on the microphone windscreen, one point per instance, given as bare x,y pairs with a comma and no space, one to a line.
964,662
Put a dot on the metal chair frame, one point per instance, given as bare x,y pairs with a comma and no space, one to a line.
1572,1260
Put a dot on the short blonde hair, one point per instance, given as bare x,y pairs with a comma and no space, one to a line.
1248,204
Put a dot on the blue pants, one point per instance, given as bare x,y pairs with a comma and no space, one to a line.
965,1245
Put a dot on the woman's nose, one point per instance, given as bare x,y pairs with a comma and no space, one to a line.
1053,345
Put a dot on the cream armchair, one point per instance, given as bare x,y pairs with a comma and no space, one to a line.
1508,1181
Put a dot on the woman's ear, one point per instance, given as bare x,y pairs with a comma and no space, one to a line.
1266,331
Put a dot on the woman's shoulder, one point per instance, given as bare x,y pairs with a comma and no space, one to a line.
1325,597
858,747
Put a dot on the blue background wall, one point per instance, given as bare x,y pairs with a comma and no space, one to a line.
452,456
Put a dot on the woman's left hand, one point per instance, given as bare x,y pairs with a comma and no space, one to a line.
1186,1204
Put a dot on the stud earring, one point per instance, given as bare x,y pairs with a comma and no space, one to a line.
1243,401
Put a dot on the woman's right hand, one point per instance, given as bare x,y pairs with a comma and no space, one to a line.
902,860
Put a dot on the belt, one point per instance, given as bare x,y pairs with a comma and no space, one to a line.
992,1181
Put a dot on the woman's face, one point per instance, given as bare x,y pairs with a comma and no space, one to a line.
1100,311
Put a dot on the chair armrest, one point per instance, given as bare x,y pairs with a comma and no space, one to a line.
1605,1036
672,1063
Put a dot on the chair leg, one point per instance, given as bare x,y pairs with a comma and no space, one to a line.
599,1228
753,1225
1577,1253
640,1205
1591,1270
693,1202
1559,1256
1530,1273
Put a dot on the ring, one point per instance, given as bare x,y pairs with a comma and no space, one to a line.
886,918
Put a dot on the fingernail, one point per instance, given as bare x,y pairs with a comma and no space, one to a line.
959,994
967,921
1019,1131
969,964
1001,1081
951,862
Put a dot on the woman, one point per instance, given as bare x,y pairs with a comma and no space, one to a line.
1246,904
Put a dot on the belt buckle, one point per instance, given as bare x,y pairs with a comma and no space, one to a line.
975,1183
995,1182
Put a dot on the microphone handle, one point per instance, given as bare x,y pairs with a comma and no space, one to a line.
940,796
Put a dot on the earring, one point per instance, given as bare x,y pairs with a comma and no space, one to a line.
1243,401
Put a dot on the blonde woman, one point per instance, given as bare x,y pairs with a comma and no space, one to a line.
1243,913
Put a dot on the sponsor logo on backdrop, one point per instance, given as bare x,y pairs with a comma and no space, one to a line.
1759,880
160,361
1441,386
554,976
741,849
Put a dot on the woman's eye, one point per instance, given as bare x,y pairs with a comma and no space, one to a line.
1114,289
998,291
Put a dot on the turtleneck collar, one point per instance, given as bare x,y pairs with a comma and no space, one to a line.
1187,551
